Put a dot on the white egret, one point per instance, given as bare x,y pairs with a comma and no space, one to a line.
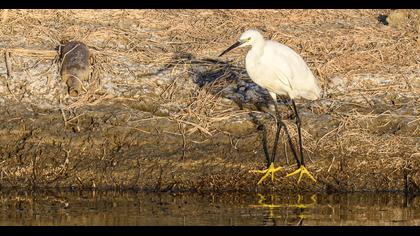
280,70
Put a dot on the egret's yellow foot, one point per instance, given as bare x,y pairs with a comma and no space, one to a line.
269,171
303,171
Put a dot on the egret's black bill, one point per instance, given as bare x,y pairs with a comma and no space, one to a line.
235,45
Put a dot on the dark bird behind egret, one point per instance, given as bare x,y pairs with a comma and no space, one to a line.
281,71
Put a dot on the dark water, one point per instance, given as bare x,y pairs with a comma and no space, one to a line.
129,208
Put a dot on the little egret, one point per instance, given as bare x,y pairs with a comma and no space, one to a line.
280,70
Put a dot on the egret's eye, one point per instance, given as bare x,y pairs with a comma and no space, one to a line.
246,40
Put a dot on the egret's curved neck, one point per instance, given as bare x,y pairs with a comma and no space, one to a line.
258,47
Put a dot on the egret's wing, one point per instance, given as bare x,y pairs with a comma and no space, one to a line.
283,78
290,71
277,59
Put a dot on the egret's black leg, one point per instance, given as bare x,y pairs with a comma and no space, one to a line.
280,125
302,169
271,169
298,123
292,147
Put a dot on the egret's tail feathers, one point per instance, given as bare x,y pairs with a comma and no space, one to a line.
312,95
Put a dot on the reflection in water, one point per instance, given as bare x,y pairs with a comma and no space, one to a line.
300,207
271,206
140,208
297,208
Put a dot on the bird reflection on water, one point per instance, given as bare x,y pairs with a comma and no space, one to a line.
274,208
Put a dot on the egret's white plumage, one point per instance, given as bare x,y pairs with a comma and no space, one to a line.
278,68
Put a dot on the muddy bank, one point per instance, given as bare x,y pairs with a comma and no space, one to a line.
163,116
113,145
